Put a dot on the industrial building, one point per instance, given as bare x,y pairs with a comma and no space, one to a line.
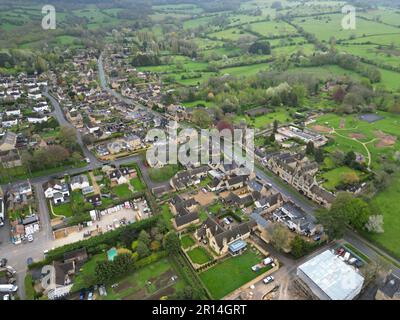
329,277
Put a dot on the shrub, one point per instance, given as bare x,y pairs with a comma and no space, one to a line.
135,245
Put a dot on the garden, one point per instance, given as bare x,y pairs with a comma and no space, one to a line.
232,273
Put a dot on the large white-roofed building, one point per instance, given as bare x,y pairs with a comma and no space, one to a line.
331,278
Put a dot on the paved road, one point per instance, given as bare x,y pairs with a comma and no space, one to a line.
59,114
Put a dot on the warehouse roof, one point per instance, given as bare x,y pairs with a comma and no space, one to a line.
337,279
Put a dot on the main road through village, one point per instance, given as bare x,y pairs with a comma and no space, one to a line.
17,255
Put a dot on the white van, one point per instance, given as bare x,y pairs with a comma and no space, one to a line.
8,288
268,261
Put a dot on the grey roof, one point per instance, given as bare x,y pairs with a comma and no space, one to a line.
185,217
391,288
259,219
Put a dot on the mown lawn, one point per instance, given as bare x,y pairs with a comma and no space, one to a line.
63,209
387,203
199,255
122,191
145,281
187,241
231,274
281,115
163,174
167,215
137,184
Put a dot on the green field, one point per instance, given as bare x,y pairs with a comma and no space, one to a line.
326,26
231,34
272,28
231,274
368,132
263,121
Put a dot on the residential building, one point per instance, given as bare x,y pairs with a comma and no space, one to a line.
219,238
79,182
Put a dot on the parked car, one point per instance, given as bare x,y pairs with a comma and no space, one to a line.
87,160
82,295
6,297
317,238
90,295
11,270
230,219
30,238
268,279
3,262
